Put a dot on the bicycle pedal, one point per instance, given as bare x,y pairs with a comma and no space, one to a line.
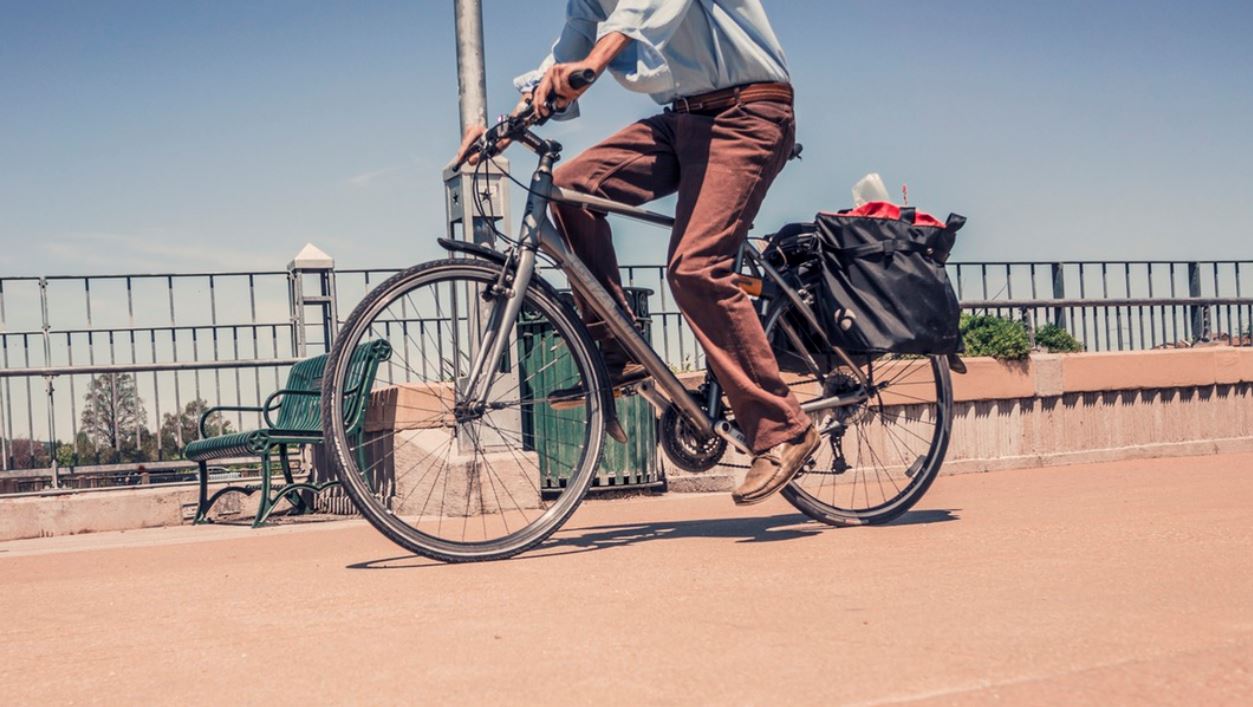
576,401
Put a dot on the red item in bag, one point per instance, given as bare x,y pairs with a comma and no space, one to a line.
892,212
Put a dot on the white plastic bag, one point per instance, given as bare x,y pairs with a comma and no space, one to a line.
870,188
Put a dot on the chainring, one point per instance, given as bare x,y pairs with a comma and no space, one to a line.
685,447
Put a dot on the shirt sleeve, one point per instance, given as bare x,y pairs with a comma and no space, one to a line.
577,38
651,23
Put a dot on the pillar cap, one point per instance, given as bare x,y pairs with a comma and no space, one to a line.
311,257
497,166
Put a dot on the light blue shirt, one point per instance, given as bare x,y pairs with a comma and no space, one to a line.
680,47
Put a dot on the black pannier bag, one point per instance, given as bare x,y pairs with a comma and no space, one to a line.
876,275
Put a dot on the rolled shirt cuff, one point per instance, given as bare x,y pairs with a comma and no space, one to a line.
530,80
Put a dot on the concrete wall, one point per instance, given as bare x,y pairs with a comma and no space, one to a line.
128,508
1097,426
1046,411
1103,406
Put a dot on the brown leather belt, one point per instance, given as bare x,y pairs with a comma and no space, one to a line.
723,98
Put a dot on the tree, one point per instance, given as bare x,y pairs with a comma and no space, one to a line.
85,450
113,417
65,455
177,429
27,453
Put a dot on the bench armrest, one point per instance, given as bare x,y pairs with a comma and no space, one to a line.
204,417
272,404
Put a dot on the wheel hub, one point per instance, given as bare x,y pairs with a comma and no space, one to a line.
468,412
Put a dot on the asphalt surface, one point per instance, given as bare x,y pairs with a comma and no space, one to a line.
1113,583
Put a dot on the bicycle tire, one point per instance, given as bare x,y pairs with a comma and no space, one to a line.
540,295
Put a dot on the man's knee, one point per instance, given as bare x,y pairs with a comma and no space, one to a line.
691,279
572,175
566,214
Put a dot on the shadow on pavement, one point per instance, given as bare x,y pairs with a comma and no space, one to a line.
275,521
938,515
576,540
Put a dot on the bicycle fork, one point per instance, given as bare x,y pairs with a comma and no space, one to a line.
506,298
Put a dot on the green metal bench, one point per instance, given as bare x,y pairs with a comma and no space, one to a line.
299,423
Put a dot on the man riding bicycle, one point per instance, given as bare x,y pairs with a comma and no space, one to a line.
726,133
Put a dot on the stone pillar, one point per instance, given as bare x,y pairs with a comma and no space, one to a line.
416,464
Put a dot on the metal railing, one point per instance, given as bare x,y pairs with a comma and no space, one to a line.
1117,305
68,342
227,338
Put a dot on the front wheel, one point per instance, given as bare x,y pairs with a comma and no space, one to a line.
877,457
442,475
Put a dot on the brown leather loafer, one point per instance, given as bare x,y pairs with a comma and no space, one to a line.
773,470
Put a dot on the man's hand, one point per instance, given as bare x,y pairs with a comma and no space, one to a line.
472,135
555,86
475,132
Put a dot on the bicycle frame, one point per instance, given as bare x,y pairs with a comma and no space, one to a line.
538,232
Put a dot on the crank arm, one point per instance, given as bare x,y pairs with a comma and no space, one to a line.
835,401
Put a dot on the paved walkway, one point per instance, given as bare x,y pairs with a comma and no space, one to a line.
1089,584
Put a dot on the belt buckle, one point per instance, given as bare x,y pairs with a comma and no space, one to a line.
687,106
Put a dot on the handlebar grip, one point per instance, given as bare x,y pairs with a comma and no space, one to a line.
578,81
582,79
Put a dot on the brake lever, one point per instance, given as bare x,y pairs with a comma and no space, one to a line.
475,149
486,144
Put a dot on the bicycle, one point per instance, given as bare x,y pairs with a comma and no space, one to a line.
478,418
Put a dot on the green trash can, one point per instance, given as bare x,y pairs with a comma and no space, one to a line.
556,436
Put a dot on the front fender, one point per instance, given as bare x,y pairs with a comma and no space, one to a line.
472,249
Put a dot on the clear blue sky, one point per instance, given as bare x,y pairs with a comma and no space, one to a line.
187,136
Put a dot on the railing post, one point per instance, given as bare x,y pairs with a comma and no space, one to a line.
52,435
1028,323
4,437
312,261
47,341
5,402
1196,313
1059,292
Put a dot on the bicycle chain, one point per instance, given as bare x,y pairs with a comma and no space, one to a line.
730,465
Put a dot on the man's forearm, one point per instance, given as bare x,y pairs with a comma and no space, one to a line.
606,48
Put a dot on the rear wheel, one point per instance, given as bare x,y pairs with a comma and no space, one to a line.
445,476
877,457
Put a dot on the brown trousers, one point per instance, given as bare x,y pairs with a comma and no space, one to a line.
721,166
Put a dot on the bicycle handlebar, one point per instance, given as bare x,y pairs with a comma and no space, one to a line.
582,79
514,126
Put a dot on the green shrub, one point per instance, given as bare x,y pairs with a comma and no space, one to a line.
1055,339
986,335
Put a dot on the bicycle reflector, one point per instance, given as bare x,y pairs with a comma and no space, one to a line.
752,286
